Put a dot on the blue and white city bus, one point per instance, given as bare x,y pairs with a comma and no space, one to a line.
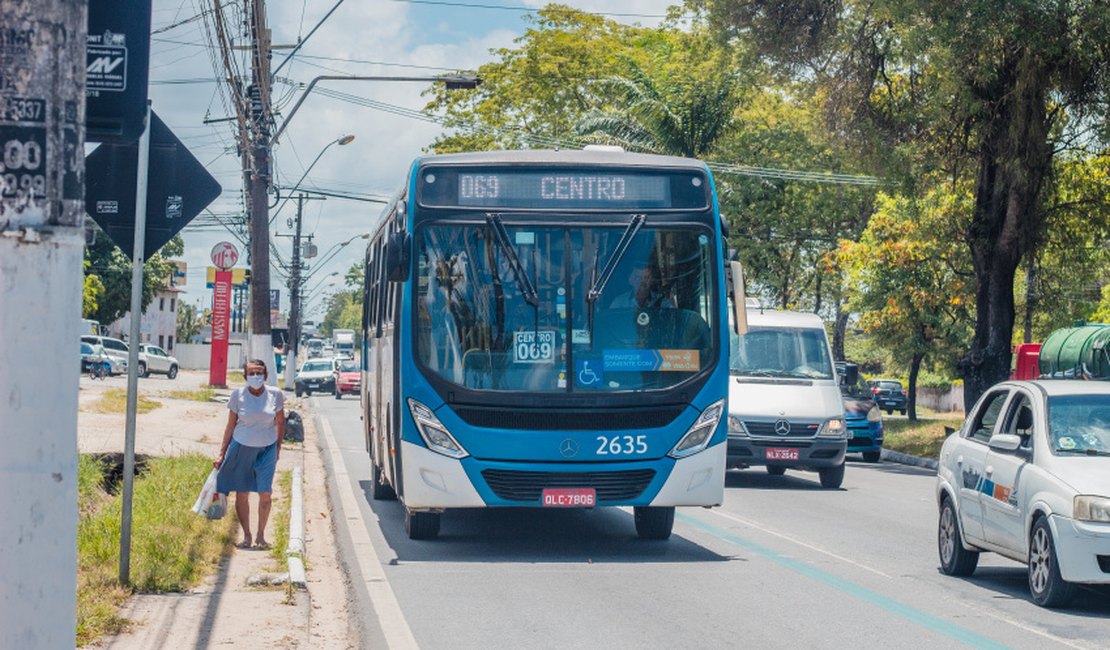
547,328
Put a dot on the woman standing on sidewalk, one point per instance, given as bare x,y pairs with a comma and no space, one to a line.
250,450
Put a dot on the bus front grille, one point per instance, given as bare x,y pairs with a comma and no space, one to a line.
566,419
513,485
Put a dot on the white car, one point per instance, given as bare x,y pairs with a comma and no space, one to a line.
157,360
1028,477
315,375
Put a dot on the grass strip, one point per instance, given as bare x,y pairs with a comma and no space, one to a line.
115,401
279,518
921,438
172,548
202,394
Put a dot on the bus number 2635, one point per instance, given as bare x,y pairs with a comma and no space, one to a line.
618,445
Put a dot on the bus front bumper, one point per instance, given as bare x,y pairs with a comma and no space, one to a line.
434,482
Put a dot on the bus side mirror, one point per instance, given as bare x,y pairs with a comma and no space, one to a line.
739,300
398,256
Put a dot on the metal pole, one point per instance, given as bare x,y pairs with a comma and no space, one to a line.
133,342
293,343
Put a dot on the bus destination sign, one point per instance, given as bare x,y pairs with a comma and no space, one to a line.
555,189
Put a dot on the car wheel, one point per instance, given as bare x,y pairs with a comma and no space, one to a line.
955,560
831,477
654,522
308,392
872,456
142,369
890,412
298,391
776,470
338,395
1045,583
172,372
421,525
903,411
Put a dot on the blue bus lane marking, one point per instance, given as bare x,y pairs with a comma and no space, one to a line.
912,614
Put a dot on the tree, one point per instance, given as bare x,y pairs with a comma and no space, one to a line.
906,280
107,263
189,322
993,89
92,292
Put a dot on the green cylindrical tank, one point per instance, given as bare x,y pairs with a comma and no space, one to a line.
1080,351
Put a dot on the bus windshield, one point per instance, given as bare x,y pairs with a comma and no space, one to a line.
652,326
799,353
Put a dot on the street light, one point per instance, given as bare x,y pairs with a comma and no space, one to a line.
341,140
334,250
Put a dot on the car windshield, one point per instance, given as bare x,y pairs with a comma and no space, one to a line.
348,366
86,348
1079,424
316,366
480,326
781,352
888,385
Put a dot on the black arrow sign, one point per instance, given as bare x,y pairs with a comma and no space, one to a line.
178,188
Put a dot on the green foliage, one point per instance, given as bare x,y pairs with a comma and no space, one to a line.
189,321
112,269
1102,314
92,292
344,312
172,549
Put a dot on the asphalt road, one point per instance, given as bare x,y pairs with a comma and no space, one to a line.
782,563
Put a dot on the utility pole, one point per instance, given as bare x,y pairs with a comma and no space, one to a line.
258,180
42,140
294,343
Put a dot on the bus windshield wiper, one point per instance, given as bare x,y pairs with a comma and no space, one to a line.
598,282
527,290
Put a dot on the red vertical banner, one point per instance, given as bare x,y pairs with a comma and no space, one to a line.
221,312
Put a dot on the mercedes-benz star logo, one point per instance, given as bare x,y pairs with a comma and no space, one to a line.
782,427
568,448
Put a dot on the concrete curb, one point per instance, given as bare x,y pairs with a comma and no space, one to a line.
294,551
908,459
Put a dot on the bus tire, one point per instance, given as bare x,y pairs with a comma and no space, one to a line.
379,489
421,525
653,522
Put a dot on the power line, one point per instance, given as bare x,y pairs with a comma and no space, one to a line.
526,10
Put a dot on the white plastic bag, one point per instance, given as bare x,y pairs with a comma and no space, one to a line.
211,503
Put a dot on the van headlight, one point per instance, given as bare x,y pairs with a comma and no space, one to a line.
736,427
435,435
700,432
1091,508
833,428
874,415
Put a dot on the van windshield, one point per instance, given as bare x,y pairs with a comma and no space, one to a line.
781,352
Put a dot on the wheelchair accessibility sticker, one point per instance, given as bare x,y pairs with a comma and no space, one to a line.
588,372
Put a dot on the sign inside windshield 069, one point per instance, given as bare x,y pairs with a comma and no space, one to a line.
562,189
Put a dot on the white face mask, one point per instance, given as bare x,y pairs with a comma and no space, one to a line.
255,381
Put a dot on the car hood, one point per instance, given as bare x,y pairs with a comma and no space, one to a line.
350,376
805,399
1085,474
315,374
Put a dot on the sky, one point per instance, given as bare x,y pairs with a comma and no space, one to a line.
362,37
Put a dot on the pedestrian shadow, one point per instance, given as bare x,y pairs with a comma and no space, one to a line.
533,535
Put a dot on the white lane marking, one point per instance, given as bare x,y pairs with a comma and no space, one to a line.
395,628
1033,630
795,540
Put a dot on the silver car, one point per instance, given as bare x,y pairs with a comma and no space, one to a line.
156,360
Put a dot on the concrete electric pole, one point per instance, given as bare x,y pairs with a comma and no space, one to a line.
258,155
42,187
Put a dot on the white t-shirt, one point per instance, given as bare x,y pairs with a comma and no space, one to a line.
256,426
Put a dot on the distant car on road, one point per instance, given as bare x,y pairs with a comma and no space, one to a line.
115,348
315,375
889,395
91,353
1028,477
862,416
347,378
157,360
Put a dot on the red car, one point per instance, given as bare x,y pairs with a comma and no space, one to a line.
347,378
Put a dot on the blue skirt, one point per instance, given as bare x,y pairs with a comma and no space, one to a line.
247,469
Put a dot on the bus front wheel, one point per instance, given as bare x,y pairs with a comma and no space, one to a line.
653,522
379,489
421,525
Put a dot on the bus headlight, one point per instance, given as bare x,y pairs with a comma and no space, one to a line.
433,432
700,432
833,428
874,415
1091,508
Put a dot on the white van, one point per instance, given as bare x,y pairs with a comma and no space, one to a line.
784,404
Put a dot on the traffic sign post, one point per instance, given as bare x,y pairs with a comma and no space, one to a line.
179,187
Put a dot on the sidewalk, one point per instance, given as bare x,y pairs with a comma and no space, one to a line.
226,610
